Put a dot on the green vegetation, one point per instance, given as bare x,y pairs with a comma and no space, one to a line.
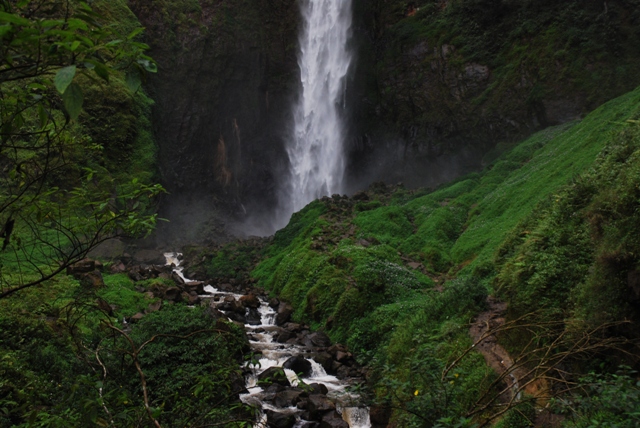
550,227
68,363
76,147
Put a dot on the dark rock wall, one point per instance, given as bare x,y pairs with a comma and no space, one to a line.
227,74
441,82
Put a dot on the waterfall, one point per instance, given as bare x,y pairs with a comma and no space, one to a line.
316,151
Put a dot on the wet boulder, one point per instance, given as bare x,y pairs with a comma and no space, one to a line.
288,398
173,294
274,303
379,416
195,286
284,312
234,316
298,365
273,375
253,317
333,420
325,360
177,278
250,301
276,388
317,405
317,389
154,307
283,336
280,420
91,280
318,339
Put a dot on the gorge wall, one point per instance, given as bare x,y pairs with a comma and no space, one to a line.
438,88
223,95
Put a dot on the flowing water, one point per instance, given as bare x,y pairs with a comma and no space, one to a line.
316,151
273,354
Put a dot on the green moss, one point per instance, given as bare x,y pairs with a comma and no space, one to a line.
120,292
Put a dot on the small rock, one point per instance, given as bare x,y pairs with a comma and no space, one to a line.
333,420
137,317
177,278
250,301
274,303
83,266
173,294
155,306
117,268
91,279
195,286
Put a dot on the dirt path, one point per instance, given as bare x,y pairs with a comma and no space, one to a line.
487,344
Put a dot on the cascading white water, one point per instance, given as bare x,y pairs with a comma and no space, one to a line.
316,151
275,354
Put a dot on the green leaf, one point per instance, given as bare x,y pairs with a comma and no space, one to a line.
4,29
133,80
42,115
135,33
73,99
102,71
64,77
150,66
13,19
75,45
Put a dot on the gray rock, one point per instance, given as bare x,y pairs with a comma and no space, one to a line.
285,311
273,375
298,365
333,420
287,398
280,420
318,405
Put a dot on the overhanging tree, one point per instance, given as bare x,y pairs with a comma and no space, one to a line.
56,201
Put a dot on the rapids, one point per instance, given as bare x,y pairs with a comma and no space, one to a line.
274,354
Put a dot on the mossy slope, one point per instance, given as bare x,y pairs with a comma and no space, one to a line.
398,275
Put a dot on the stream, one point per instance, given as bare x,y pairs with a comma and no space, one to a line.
307,399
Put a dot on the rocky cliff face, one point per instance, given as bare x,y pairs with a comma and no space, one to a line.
441,82
223,90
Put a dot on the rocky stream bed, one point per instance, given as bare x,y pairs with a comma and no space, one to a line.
295,378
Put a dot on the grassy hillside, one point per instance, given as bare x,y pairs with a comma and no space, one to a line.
550,227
